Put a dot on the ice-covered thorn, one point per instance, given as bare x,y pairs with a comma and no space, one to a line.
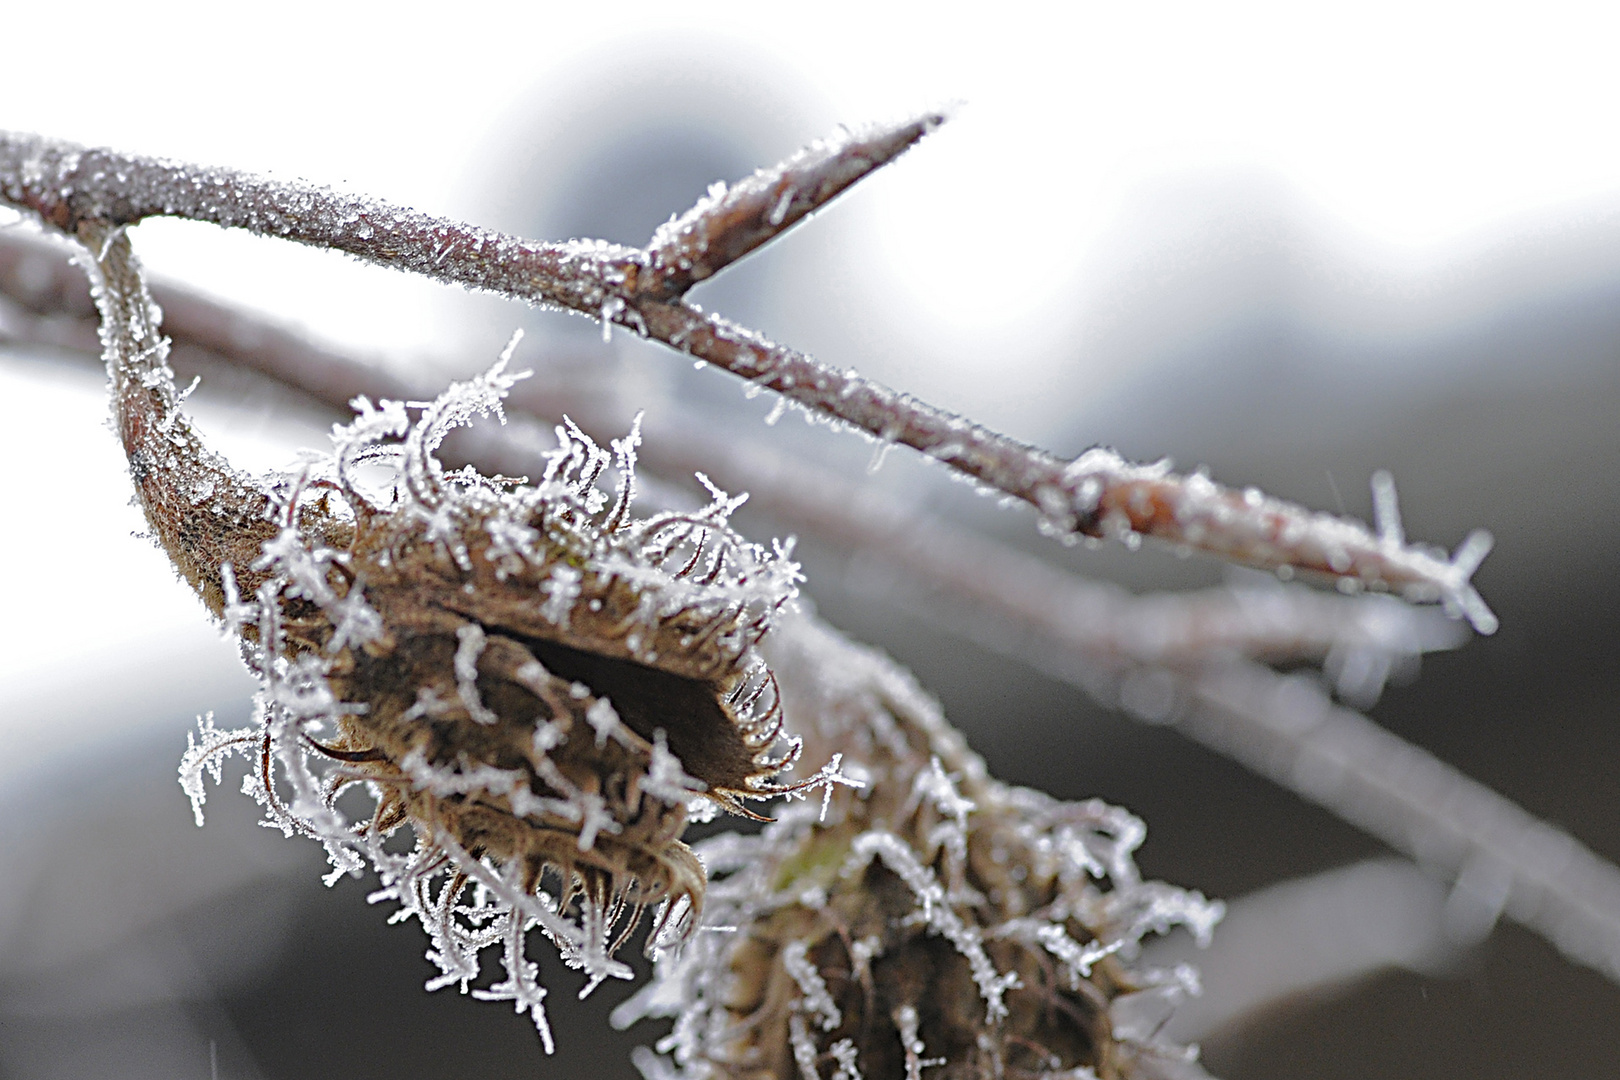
730,222
511,347
1387,510
1475,610
1460,593
1471,552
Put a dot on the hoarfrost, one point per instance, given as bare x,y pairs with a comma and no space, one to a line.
816,1000
939,916
206,751
471,640
804,866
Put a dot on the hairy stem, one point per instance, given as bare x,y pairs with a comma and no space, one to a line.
204,515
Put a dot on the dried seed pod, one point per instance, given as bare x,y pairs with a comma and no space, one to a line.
537,682
933,919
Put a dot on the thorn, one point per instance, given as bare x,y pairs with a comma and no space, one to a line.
1463,596
1387,510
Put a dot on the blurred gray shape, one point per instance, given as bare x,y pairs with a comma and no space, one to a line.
122,924
1309,937
1257,341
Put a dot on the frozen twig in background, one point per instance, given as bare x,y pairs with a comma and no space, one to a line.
1310,934
1098,494
44,300
1503,861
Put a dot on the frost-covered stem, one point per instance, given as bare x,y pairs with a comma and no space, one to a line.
1276,624
202,513
66,184
1097,494
1307,935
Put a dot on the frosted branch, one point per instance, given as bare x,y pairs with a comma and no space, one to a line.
1306,935
1096,495
1261,619
730,222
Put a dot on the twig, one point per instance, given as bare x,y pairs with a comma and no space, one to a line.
1306,935
729,223
1273,624
1267,621
1503,860
1096,495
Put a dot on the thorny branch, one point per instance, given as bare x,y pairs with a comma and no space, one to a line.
54,308
1187,660
1095,495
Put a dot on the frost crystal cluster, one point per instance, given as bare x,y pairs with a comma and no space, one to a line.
535,681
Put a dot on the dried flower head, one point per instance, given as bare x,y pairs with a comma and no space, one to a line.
536,681
930,919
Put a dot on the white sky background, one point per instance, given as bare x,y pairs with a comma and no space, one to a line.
1416,132
1412,127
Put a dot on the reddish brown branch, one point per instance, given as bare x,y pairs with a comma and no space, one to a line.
66,185
1098,619
1095,495
731,222
1502,860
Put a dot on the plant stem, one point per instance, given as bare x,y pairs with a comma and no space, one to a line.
1095,495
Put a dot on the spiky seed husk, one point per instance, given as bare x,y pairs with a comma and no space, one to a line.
536,681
